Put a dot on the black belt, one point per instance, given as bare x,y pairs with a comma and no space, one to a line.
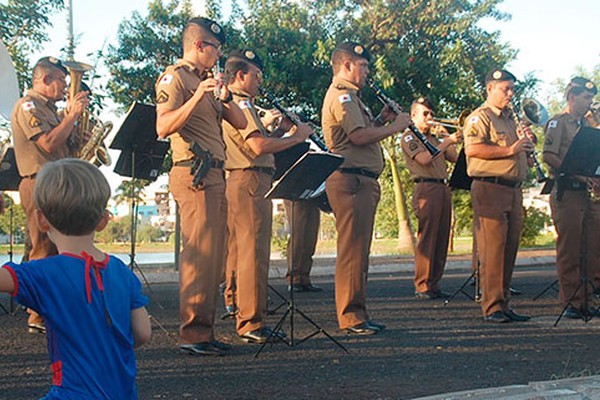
431,180
188,163
572,184
265,170
359,171
499,181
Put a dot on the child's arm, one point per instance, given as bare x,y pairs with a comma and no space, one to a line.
140,326
6,281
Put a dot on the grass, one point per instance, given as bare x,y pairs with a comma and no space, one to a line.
462,246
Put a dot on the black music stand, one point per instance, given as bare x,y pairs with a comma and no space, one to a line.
142,155
459,180
9,181
301,182
583,159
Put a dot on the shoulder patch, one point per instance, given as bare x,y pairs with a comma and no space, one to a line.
474,119
345,98
408,138
162,97
28,105
166,79
472,133
552,124
243,104
34,122
548,141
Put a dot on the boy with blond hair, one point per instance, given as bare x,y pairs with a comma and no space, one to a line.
91,302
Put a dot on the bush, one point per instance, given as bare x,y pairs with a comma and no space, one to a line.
535,222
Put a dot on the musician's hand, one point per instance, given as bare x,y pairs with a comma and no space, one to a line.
387,113
401,122
522,145
79,103
456,137
303,131
206,86
271,117
526,131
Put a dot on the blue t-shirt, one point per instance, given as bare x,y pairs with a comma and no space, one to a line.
87,309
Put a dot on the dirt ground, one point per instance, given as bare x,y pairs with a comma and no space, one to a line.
427,349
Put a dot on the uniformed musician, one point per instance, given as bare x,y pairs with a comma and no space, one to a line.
497,159
40,135
188,112
568,201
251,167
351,130
304,218
431,199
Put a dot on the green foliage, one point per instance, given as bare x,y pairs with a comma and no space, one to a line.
147,45
127,188
535,222
279,233
19,220
462,213
24,29
117,231
148,234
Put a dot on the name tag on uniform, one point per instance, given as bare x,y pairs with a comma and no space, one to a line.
166,80
28,105
345,98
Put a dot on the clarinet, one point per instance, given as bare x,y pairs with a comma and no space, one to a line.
296,120
383,98
539,172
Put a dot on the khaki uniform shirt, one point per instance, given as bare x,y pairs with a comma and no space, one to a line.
239,154
493,126
173,88
411,146
560,132
342,113
32,116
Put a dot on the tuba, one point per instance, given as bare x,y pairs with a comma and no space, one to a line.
92,150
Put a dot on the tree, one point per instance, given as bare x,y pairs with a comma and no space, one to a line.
24,29
146,46
14,217
128,189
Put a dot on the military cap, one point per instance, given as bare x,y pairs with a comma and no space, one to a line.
211,27
581,83
355,49
499,75
426,102
51,62
248,56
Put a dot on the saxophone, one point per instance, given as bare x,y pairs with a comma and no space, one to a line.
88,125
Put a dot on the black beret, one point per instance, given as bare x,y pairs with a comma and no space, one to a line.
51,62
211,27
354,48
499,75
246,55
580,82
426,102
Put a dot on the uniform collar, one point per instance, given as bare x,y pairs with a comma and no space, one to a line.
340,83
190,66
498,112
40,97
240,93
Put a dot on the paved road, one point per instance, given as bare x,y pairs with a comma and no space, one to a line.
428,349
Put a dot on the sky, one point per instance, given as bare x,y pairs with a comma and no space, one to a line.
553,37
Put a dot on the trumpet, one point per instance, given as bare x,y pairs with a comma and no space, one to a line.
384,99
533,114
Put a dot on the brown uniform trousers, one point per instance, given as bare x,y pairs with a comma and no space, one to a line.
567,215
301,246
354,201
498,223
252,217
203,213
229,291
432,205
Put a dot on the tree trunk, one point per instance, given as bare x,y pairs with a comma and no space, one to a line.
406,237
